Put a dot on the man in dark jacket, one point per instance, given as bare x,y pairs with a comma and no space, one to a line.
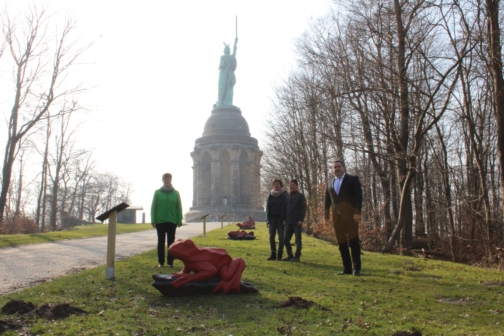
344,197
296,211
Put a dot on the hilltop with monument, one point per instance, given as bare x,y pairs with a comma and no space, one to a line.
226,159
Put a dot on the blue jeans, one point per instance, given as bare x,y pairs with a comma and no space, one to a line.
276,225
289,231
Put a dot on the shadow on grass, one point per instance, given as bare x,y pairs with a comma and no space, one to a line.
46,238
6,241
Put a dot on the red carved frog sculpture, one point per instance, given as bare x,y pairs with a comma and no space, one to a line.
249,224
206,262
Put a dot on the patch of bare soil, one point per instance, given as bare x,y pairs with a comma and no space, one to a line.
455,301
287,330
407,333
300,303
492,283
17,307
412,268
406,269
9,325
58,312
27,310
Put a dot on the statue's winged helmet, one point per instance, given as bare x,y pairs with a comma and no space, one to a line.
227,50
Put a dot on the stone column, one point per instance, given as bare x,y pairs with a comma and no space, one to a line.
195,180
235,176
257,172
215,174
246,178
199,180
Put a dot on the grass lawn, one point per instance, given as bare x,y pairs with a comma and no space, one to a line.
81,231
393,294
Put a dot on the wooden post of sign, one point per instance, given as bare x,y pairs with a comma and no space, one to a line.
204,224
111,215
111,245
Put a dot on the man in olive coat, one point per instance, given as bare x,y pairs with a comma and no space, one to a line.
344,197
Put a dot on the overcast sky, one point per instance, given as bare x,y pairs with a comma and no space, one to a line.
154,64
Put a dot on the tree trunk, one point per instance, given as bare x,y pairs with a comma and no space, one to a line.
404,121
495,51
418,190
431,223
43,181
405,210
17,212
8,162
448,194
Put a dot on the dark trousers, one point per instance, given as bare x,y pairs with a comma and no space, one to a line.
347,234
276,225
289,230
165,231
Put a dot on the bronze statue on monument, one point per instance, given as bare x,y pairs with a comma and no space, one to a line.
227,78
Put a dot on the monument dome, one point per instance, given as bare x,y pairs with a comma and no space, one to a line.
226,125
226,120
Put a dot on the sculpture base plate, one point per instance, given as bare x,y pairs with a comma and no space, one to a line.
162,282
247,237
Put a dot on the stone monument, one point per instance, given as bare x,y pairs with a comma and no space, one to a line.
226,159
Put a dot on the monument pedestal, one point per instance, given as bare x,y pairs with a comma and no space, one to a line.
226,169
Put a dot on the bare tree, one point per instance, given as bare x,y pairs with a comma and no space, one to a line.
42,192
39,73
64,154
495,54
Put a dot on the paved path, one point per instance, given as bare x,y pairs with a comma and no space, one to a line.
27,265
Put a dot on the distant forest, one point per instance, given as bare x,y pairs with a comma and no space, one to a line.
410,94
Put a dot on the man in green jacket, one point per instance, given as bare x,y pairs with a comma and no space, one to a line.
166,216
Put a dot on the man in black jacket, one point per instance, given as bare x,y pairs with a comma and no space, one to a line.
344,197
276,206
296,211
